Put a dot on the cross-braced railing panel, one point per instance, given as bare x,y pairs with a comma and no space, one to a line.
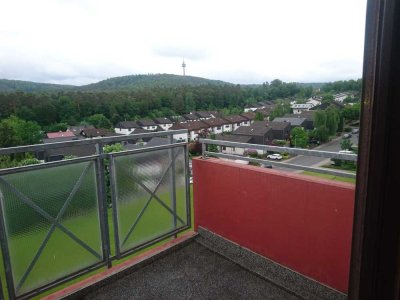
51,223
150,196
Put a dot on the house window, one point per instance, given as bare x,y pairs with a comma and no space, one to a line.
237,124
218,128
223,148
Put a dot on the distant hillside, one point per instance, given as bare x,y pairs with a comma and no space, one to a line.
149,81
130,82
314,85
30,87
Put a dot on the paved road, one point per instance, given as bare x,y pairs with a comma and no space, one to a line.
312,161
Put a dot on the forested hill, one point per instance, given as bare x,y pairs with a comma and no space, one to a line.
123,83
9,86
149,81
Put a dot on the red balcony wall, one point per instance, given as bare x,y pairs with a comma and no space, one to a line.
301,222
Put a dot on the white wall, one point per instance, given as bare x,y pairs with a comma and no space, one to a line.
227,128
123,130
166,126
149,127
232,150
181,137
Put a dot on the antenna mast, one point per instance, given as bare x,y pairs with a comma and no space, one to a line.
183,67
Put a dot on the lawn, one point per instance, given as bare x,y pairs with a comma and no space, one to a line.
62,255
330,177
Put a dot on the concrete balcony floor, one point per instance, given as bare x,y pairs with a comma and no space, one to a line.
191,272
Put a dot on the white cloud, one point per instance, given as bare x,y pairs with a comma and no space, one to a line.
252,41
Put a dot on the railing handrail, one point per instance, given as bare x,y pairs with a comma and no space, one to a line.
316,153
89,141
283,165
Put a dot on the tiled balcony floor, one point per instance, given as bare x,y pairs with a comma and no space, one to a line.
192,272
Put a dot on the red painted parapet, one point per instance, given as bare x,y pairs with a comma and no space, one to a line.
301,222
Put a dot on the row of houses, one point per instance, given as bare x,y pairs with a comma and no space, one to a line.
259,106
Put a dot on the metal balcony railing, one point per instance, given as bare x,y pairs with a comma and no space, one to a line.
267,148
63,219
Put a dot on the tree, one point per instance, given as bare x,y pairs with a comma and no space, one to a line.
99,121
299,137
346,144
332,120
16,132
259,116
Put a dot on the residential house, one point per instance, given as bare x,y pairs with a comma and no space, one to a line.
308,115
96,132
297,108
195,128
218,125
280,130
178,119
147,124
125,127
340,97
313,102
76,130
191,117
250,115
252,107
234,138
265,112
60,134
294,122
325,105
236,121
56,154
205,115
164,123
261,135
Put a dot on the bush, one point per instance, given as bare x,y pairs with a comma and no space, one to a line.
347,129
251,152
279,142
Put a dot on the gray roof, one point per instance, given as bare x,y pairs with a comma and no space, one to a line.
155,141
216,122
146,122
235,118
252,130
307,114
127,124
250,115
191,117
292,121
274,125
234,138
203,114
163,121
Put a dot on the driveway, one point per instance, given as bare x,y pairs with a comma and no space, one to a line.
311,161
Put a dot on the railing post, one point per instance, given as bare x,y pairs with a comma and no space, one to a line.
6,256
172,179
203,149
101,189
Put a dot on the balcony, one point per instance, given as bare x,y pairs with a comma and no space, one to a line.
119,225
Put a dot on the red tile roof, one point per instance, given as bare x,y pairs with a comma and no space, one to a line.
59,134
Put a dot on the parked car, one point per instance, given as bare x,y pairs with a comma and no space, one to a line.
275,156
346,136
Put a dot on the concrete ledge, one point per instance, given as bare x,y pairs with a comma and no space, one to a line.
80,289
285,278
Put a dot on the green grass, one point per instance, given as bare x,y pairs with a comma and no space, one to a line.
62,255
330,177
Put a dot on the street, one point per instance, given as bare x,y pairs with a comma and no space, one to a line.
311,161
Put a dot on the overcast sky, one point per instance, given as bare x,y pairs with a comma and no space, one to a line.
248,41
